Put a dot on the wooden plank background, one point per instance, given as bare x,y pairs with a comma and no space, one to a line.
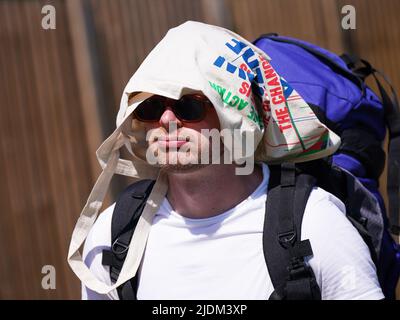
60,92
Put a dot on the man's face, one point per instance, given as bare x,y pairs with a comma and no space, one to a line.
177,133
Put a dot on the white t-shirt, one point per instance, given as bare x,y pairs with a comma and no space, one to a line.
222,257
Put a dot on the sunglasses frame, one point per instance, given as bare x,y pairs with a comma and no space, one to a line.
171,103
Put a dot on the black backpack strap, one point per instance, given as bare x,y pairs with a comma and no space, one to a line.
392,119
127,211
284,251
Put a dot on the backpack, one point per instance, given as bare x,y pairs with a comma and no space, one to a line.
342,101
335,89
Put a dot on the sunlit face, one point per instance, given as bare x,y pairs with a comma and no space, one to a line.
176,139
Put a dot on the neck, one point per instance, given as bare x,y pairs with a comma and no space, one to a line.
210,190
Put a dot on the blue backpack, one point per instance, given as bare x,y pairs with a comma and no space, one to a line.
341,100
335,89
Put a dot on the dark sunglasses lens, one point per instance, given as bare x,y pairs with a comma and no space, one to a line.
190,108
150,109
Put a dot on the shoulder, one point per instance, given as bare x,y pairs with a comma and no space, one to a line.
98,239
319,197
325,220
100,234
341,262
323,209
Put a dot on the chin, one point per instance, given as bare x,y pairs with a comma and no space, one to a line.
181,162
181,168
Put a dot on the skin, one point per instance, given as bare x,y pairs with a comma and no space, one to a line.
189,185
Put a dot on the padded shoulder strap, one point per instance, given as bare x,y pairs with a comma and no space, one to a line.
127,211
126,208
284,251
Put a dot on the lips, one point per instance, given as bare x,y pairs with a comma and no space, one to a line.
171,142
172,139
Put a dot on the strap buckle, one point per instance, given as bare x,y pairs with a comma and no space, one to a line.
287,239
115,245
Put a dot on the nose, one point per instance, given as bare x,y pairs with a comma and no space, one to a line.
169,117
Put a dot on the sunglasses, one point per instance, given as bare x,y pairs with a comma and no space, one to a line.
189,108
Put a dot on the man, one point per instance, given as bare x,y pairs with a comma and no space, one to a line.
200,234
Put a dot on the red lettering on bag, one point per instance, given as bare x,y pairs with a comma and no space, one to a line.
273,82
278,100
245,88
266,106
244,67
276,95
268,70
275,92
269,73
283,117
282,128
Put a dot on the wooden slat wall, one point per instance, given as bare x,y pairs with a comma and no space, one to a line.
126,31
53,81
44,160
311,20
